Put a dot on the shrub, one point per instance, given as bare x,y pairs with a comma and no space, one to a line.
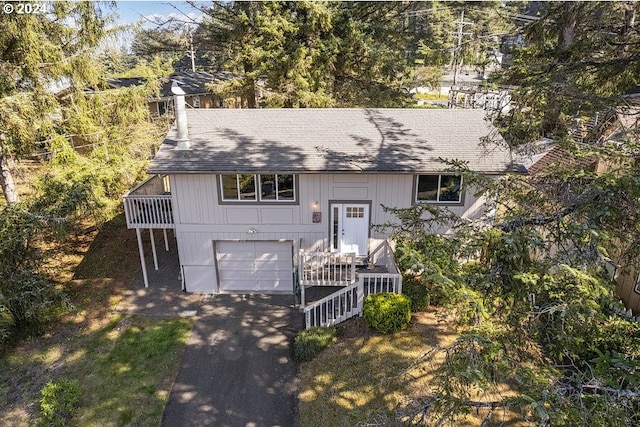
417,292
387,312
309,343
58,402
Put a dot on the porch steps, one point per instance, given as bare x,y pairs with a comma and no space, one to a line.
347,302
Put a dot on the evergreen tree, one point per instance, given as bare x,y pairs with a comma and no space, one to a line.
310,54
38,51
540,313
578,59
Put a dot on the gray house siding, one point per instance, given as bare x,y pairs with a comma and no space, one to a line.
201,220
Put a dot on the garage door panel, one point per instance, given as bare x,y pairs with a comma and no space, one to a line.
275,265
238,285
271,246
254,266
236,256
279,286
264,275
232,264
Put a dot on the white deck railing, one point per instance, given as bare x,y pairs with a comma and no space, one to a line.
148,211
326,269
148,205
348,302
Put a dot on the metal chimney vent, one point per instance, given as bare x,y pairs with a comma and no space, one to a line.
181,117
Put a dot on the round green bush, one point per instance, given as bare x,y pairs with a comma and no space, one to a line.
59,402
417,293
310,342
387,313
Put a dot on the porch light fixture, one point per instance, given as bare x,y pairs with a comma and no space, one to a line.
252,230
315,204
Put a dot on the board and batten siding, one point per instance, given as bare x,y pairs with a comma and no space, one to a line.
200,218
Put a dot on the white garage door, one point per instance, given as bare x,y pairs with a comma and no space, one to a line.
255,266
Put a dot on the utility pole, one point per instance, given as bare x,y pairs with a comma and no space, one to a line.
458,48
191,52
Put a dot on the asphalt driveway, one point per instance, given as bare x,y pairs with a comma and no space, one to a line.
237,368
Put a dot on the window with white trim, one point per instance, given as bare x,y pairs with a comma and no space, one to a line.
257,188
439,188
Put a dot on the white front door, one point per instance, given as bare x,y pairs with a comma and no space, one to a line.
350,228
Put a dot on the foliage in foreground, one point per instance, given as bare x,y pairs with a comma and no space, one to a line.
387,312
28,298
417,292
543,333
310,342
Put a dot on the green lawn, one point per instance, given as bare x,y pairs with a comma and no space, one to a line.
127,370
124,365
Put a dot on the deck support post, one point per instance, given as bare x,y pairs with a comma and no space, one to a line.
166,242
142,260
153,249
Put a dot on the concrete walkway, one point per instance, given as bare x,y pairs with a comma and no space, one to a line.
237,368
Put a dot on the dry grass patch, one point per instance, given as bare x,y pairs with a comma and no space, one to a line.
360,377
375,380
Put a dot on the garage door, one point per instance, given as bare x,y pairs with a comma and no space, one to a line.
255,266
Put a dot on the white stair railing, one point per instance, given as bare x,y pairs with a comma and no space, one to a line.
373,283
348,302
335,308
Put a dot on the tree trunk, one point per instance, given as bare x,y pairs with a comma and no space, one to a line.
569,25
6,179
629,24
250,88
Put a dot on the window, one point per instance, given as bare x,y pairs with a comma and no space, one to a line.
439,188
239,187
276,187
354,212
244,187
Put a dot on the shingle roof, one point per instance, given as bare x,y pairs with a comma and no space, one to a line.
193,83
118,82
558,157
331,140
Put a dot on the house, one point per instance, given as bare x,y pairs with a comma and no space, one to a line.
266,200
194,84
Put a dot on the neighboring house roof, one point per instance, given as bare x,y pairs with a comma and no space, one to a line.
118,82
193,83
332,140
558,157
